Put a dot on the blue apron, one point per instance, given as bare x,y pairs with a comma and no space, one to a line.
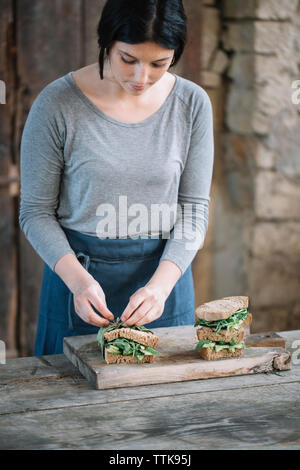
121,266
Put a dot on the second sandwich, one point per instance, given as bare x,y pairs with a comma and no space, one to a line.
220,327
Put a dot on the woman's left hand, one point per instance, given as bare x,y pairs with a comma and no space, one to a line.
145,305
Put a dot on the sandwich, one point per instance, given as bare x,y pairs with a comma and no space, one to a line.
127,344
221,327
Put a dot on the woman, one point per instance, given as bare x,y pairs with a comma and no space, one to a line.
102,161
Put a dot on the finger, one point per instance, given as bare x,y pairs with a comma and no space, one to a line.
150,316
95,319
133,304
100,305
139,313
89,316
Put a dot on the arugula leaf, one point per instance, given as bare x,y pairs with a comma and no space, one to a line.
101,340
231,342
113,349
114,326
201,343
128,347
150,350
237,318
217,345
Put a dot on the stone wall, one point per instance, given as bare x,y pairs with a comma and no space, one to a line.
214,63
251,57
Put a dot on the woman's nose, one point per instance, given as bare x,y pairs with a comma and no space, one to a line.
141,75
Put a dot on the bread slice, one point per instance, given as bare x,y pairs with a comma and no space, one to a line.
222,308
142,337
211,355
119,359
205,332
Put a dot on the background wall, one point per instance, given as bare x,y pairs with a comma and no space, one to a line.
41,40
246,55
251,59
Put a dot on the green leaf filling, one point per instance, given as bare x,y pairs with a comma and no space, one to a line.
123,346
219,345
127,347
233,322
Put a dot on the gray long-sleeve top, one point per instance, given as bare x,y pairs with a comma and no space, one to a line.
84,170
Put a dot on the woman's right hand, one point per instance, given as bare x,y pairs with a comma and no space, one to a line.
85,297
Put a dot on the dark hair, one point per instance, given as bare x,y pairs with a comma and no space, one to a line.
135,21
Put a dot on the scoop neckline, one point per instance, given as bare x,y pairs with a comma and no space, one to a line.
98,111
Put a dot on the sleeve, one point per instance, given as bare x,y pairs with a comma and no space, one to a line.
188,233
41,168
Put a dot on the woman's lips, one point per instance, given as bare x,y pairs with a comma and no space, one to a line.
137,87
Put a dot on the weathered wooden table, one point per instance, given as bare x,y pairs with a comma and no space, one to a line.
45,403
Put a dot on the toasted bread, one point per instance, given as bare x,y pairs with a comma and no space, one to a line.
222,308
211,355
142,337
118,359
223,335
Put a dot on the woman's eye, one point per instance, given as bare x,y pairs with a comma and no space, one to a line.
132,62
126,62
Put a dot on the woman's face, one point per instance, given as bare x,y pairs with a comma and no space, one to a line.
139,64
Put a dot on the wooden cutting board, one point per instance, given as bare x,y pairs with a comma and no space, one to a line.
177,361
268,338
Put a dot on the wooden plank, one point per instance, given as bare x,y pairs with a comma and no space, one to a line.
266,339
230,419
49,46
92,10
25,369
62,390
41,57
52,382
8,265
19,368
290,336
191,61
177,361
